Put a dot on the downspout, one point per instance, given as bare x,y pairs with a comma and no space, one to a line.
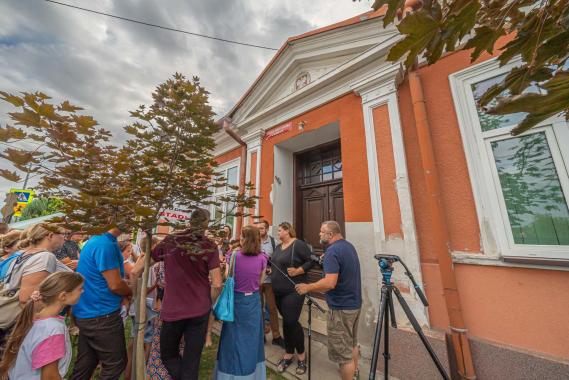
458,331
242,171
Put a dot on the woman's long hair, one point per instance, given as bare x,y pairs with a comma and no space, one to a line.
289,228
34,235
9,240
251,245
50,288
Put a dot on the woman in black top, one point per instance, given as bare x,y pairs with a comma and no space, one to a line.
292,256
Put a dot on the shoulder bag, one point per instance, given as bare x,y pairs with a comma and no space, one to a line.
224,306
10,299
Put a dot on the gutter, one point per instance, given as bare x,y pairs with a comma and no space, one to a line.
242,171
458,330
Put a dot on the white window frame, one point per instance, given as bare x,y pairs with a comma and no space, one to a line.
496,233
222,169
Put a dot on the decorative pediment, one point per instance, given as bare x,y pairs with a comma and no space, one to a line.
300,76
305,62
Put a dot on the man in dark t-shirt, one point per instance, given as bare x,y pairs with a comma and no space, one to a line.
343,286
190,260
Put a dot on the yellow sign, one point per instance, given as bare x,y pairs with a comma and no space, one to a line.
18,209
24,197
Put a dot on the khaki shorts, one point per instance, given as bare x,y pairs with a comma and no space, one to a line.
342,334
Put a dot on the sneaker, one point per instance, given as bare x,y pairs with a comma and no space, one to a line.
279,342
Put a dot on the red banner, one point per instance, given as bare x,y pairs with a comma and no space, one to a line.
278,130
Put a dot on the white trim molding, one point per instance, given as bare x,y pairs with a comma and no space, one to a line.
222,168
375,91
254,143
497,239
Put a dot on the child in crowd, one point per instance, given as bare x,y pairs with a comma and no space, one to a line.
39,346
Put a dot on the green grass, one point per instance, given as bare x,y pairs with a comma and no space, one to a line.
207,363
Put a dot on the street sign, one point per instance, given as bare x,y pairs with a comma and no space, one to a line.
175,215
23,198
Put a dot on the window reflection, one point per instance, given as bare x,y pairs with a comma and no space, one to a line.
320,166
232,176
537,208
489,122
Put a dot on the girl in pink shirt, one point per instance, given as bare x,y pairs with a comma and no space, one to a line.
39,346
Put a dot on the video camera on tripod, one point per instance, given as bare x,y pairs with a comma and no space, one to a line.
387,311
386,265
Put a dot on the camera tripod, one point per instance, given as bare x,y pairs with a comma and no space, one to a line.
310,302
387,313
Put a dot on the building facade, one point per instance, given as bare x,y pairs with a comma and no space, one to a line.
332,132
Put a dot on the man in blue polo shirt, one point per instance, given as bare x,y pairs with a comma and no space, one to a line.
343,286
97,314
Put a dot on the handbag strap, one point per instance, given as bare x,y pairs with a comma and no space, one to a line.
292,254
232,264
18,263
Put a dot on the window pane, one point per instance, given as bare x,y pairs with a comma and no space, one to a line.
535,202
232,176
218,217
230,220
489,122
219,189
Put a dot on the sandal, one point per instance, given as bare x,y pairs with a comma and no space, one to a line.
357,374
283,364
301,368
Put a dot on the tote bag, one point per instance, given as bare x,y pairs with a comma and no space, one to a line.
223,308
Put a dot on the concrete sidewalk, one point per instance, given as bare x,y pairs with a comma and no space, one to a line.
321,366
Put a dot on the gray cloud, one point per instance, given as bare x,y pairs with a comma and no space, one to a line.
110,66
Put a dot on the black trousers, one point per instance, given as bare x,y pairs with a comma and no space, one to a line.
193,330
290,307
100,340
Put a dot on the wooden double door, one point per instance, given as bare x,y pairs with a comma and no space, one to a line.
318,204
319,195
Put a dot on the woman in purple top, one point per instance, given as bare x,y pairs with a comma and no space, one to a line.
241,351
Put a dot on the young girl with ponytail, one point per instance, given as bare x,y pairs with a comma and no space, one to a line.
39,346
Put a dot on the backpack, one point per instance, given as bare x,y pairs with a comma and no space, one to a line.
5,266
273,243
10,299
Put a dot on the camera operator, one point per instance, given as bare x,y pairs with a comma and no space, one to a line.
342,284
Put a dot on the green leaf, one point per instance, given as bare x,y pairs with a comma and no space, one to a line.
538,106
11,133
27,117
18,156
419,28
10,175
85,121
392,7
484,40
68,107
555,48
13,99
31,102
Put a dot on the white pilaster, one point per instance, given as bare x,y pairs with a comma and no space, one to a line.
377,91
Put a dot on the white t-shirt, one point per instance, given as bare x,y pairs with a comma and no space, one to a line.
46,342
43,261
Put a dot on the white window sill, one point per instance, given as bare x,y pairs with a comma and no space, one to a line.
512,262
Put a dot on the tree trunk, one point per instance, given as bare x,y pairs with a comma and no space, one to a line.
136,291
140,356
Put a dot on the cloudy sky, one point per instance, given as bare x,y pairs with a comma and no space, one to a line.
109,66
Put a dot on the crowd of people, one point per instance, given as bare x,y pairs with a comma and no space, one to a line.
53,282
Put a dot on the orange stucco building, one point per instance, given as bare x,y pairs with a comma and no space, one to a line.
332,132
